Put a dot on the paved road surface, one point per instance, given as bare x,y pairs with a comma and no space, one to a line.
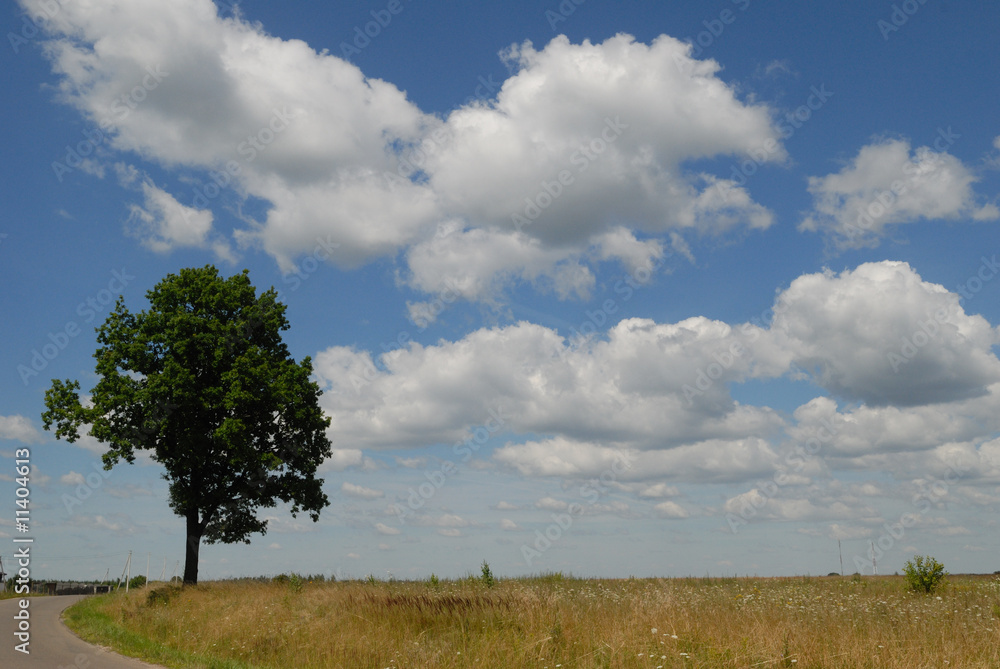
52,645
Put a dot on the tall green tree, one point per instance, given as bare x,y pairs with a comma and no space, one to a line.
203,381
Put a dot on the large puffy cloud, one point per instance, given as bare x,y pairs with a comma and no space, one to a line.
659,395
885,185
596,135
646,386
881,335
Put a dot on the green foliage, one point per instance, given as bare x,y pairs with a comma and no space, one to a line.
434,580
924,573
295,583
161,595
203,381
487,577
372,580
137,581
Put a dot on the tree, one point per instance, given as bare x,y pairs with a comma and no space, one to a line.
203,381
924,573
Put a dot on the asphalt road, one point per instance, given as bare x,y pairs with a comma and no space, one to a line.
52,645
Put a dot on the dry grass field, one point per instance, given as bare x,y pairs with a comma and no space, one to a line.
551,621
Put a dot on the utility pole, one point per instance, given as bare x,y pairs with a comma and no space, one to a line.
841,557
147,567
874,561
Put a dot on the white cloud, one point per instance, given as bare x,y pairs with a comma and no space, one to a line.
360,492
595,136
885,185
659,490
506,506
164,224
38,478
882,335
670,509
508,525
382,528
411,463
551,504
656,395
449,532
72,478
342,458
19,428
634,388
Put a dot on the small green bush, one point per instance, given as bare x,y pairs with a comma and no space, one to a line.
434,579
137,582
924,573
487,577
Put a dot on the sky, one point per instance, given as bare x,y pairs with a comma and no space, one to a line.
611,289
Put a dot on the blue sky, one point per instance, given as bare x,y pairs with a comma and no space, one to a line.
607,288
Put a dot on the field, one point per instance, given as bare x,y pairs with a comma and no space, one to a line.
553,621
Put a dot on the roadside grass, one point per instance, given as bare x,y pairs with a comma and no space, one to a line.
551,621
90,620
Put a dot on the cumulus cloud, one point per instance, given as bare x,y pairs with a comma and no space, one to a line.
587,143
670,509
342,458
382,528
360,492
19,428
651,401
886,184
532,379
163,224
881,335
72,478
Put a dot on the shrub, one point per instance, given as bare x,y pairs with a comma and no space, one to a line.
924,573
137,582
161,595
434,579
487,577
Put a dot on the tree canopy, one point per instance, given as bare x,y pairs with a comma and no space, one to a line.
203,381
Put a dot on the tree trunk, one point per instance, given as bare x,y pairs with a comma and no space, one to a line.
194,531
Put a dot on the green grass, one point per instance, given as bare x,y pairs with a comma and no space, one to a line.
90,620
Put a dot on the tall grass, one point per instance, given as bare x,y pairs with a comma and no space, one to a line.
550,622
